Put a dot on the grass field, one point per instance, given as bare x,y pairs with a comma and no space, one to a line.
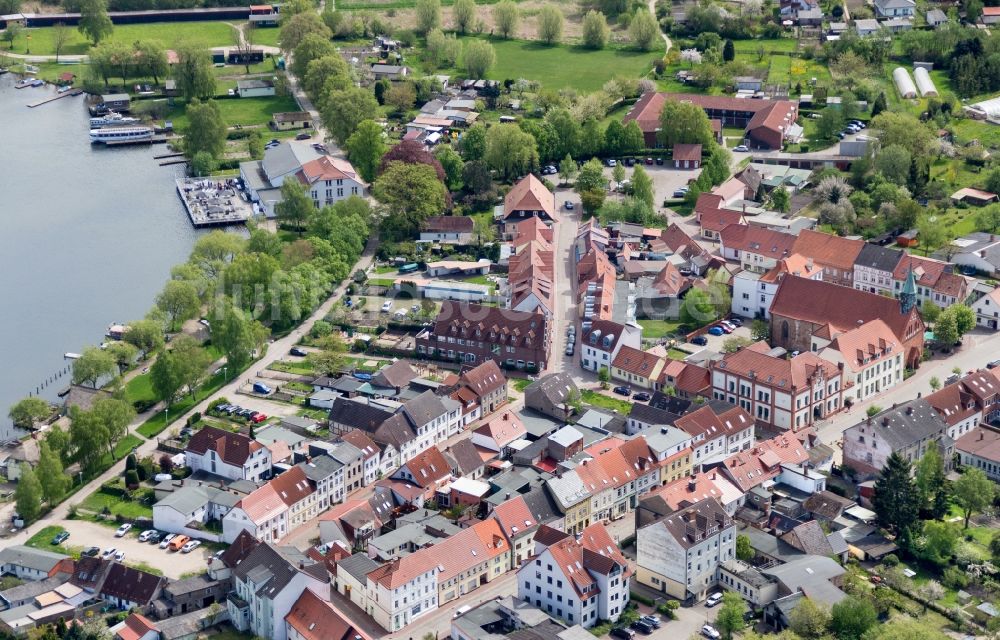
266,36
244,111
43,538
158,422
605,402
561,66
659,328
201,34
98,501
139,388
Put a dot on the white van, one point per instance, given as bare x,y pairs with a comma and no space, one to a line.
461,611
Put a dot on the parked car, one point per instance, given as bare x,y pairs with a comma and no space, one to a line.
260,387
167,539
649,161
146,535
622,390
298,351
155,538
569,349
568,206
177,543
659,160
260,417
741,148
90,552
728,324
725,328
612,162
623,633
642,396
629,162
386,306
701,341
60,537
122,530
652,619
110,551
737,321
716,330
642,627
303,136
952,379
120,556
190,546
713,600
993,364
680,193
709,632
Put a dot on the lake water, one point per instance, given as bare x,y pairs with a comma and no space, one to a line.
87,238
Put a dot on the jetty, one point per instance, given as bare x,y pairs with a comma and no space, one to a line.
168,155
167,163
58,96
150,140
213,202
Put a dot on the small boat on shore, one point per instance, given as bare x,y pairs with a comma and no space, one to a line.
111,119
121,134
23,84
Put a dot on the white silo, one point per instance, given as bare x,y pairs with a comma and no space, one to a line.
924,83
903,82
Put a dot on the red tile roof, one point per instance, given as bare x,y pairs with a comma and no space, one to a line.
718,219
281,492
670,282
428,467
361,440
315,619
136,626
637,362
328,168
514,517
829,250
688,152
953,404
776,371
595,552
758,240
751,468
503,428
983,442
705,422
766,113
484,379
860,347
932,274
530,195
232,448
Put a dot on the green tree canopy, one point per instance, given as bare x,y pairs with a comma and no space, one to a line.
295,206
851,618
506,16
809,620
295,28
144,335
550,24
510,151
206,130
53,481
410,194
973,492
478,57
237,334
684,122
463,15
179,300
428,15
94,21
93,365
344,110
193,73
896,501
28,494
644,31
365,148
730,617
595,30
26,412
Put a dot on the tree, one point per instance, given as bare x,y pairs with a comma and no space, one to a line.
780,200
644,31
904,130
192,361
93,365
808,619
346,109
851,618
28,494
830,123
634,141
453,166
905,628
935,383
295,206
642,186
145,335
931,234
567,132
965,318
297,26
12,33
165,377
938,542
401,96
896,501
50,474
193,73
973,492
930,482
179,300
760,330
550,24
618,174
123,353
733,344
27,411
743,549
151,59
412,152
893,162
506,15
567,168
115,416
728,51
428,15
730,617
410,194
442,50
237,334
463,15
603,376
591,177
510,151
698,308
595,30
94,23
988,218
473,144
365,148
946,330
206,130
684,122
311,48
60,37
477,57
879,105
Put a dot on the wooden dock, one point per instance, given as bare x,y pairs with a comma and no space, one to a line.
152,140
58,96
167,163
164,156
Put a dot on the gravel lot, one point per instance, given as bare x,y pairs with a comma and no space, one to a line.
84,533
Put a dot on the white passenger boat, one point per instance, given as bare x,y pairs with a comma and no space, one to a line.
121,134
111,119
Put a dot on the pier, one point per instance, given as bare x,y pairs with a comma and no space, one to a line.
213,202
152,140
58,96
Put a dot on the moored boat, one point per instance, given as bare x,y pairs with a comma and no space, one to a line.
121,134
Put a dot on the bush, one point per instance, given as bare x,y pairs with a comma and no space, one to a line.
954,578
131,479
142,406
635,597
891,560
195,418
321,329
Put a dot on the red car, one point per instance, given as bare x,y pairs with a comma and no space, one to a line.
257,419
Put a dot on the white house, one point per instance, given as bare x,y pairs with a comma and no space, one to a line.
193,503
754,292
402,591
895,8
230,455
600,343
327,475
266,586
987,309
273,510
680,555
579,580
28,563
717,435
327,179
874,268
872,359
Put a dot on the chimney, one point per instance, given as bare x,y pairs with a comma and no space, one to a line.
507,496
980,434
919,393
302,565
885,421
909,411
692,484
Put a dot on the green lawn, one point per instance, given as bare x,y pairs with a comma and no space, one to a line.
560,66
520,383
158,422
600,400
244,111
659,328
139,388
780,45
43,538
98,501
266,36
204,35
677,354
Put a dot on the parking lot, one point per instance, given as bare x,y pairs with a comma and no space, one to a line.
665,178
715,342
84,533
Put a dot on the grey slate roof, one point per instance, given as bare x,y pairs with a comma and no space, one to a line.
31,558
424,408
321,467
190,498
30,589
873,256
651,415
345,453
266,567
358,566
553,388
286,158
707,510
397,374
811,574
465,456
395,430
901,428
358,415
